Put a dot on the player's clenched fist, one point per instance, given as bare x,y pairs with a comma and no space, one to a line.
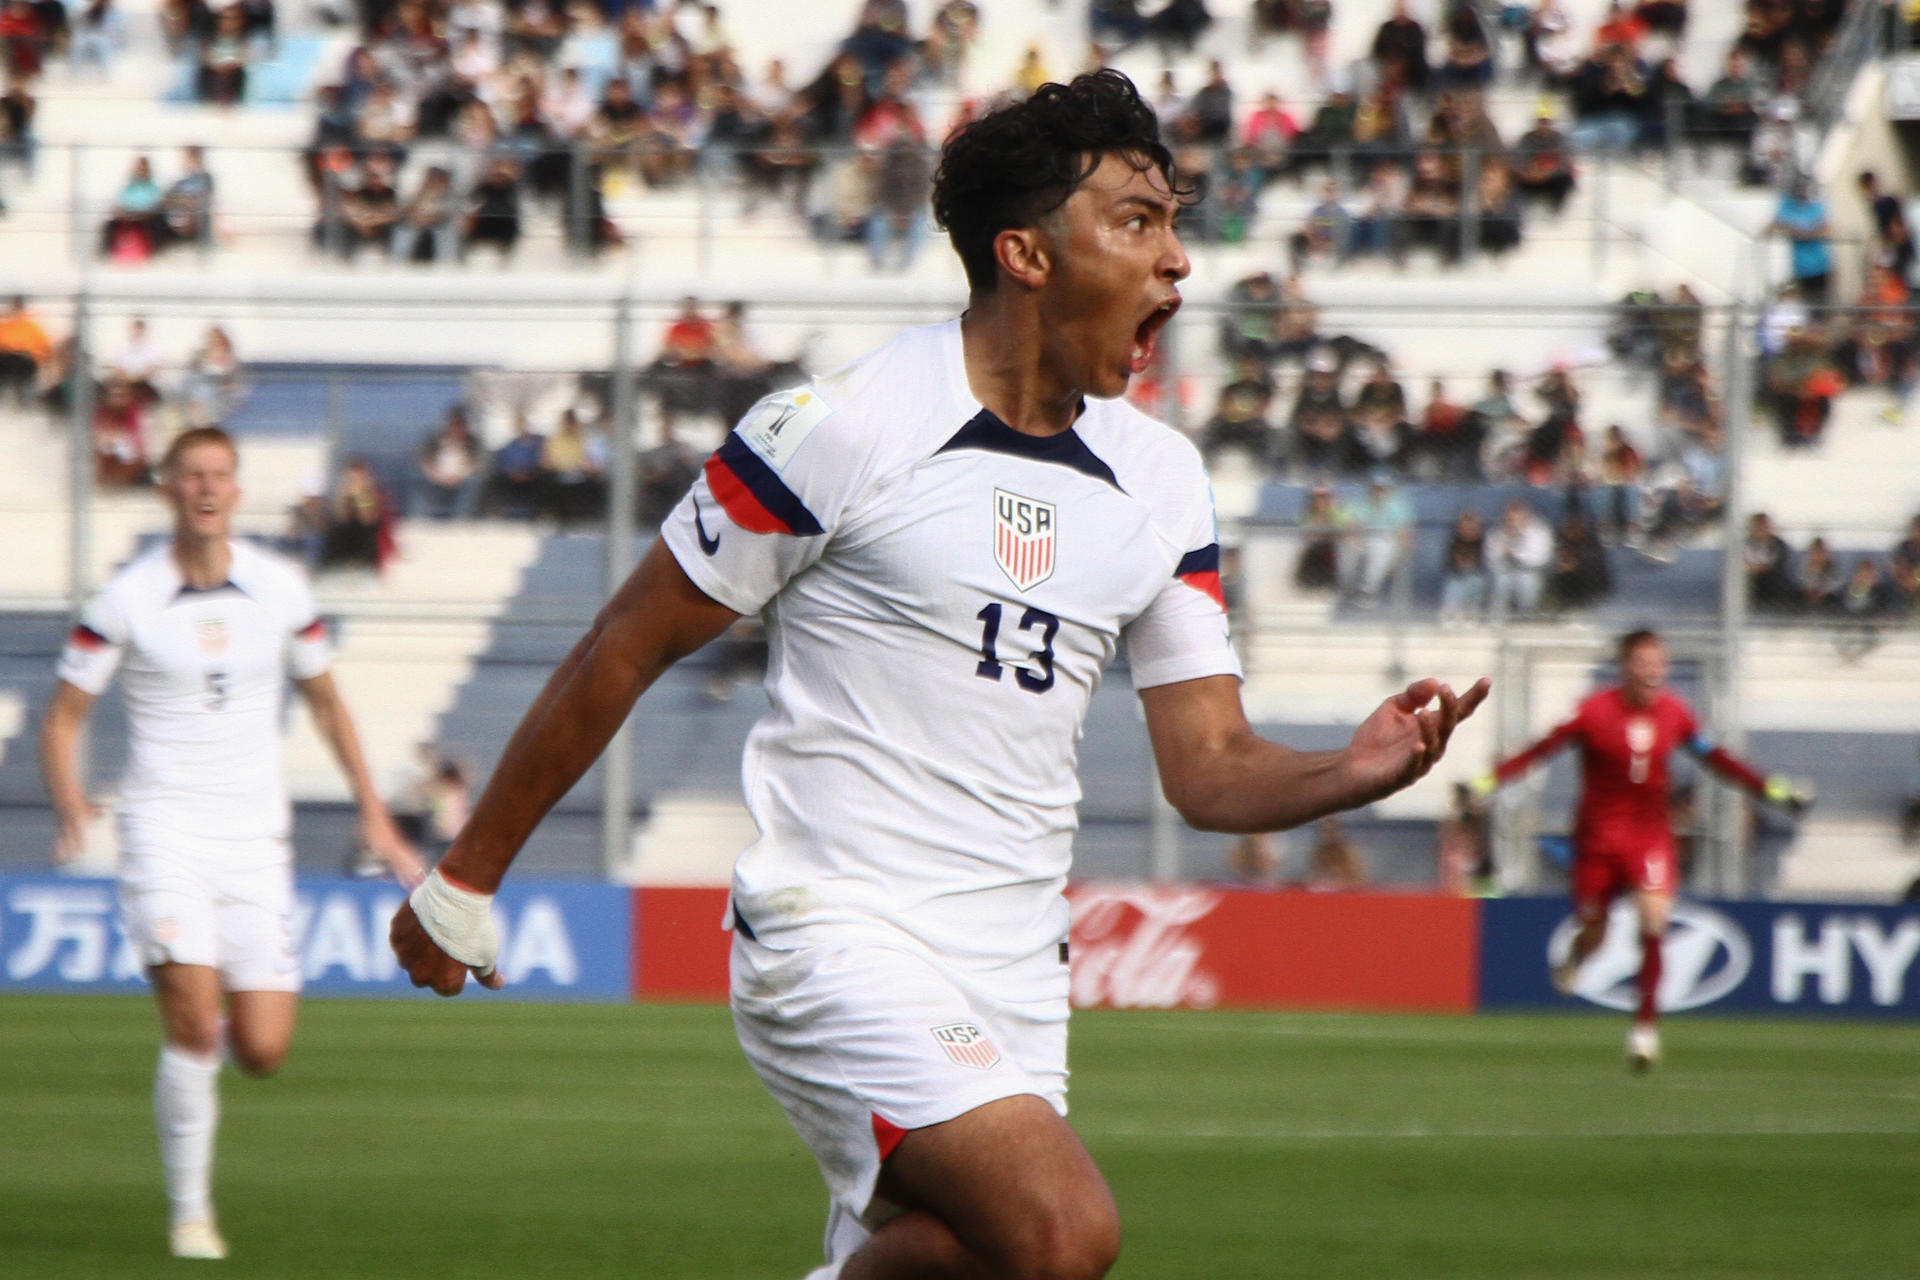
443,932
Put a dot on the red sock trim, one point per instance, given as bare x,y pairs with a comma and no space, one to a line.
886,1134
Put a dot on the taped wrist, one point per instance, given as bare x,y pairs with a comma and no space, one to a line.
460,921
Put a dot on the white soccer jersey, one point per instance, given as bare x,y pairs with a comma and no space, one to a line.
941,594
204,674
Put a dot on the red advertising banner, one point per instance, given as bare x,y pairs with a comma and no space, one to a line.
679,946
1163,946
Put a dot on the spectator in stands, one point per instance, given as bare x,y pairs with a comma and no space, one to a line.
138,363
1239,421
1548,44
1769,567
212,382
575,465
1463,571
1208,117
515,486
1801,383
369,209
1727,113
1469,60
385,123
1668,107
1400,50
133,231
1893,238
1802,218
1318,439
1621,470
851,198
186,211
1251,327
1115,23
1377,538
1580,574
1867,596
1877,344
1327,232
1906,552
1330,130
359,532
1609,93
1380,228
1433,207
1178,25
1447,447
448,475
119,437
1335,864
23,43
99,32
424,231
1499,212
17,109
1543,161
1322,528
222,76
493,211
1518,553
1774,151
1382,436
1268,132
683,373
1816,579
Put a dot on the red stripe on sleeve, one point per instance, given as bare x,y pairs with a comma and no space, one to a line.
86,638
315,630
738,501
1207,584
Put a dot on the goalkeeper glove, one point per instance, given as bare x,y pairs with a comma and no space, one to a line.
1794,797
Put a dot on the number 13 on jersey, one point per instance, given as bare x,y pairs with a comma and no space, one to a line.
990,667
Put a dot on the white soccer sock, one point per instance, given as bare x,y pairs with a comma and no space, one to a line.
186,1110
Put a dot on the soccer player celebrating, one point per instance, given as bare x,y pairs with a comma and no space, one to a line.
1622,839
206,631
948,540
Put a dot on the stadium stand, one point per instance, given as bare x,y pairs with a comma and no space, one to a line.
451,639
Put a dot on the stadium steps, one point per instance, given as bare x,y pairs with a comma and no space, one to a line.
1847,858
406,642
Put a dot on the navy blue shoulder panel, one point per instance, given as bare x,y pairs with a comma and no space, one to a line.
986,431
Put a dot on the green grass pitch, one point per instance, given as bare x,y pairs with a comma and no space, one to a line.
462,1139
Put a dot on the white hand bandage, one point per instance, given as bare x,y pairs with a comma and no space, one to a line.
459,921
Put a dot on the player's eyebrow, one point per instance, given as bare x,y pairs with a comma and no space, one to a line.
1151,204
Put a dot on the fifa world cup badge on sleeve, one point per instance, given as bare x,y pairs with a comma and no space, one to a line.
781,423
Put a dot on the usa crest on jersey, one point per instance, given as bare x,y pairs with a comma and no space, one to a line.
1025,533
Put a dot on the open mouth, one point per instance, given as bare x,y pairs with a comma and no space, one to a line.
1148,333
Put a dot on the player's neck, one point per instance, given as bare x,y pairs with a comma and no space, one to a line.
1007,370
203,562
1636,696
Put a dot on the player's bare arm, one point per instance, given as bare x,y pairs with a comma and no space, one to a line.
377,830
657,617
1222,776
60,767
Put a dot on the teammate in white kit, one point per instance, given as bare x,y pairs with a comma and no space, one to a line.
948,541
205,632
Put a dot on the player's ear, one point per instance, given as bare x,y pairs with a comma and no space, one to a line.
1025,255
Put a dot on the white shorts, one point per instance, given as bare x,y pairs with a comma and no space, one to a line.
863,1041
226,906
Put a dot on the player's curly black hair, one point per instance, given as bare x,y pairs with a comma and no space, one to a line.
1015,165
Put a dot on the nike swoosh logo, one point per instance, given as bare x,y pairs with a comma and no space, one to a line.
708,545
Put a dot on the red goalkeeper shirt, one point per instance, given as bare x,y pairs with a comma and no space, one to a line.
1624,755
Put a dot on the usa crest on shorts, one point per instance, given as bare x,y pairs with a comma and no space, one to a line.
967,1045
1025,531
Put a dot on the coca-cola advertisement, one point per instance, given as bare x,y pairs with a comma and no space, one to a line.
1169,946
1182,946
